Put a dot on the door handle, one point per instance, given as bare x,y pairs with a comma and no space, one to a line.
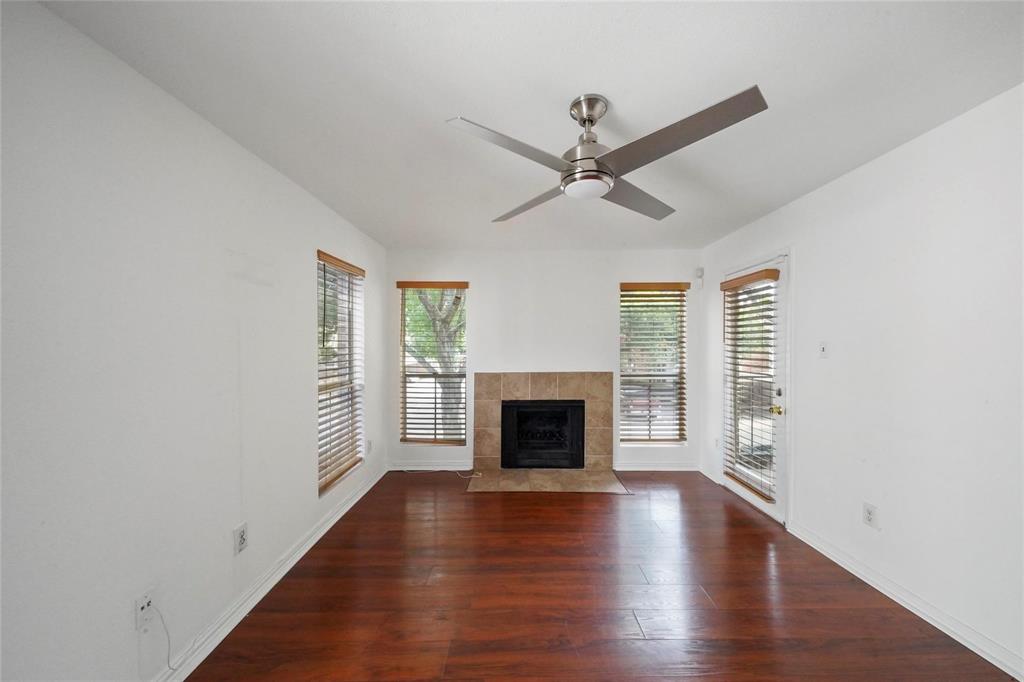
776,409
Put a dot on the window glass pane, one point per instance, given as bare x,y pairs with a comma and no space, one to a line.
434,365
652,392
750,365
339,372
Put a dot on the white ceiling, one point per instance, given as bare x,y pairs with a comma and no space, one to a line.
350,100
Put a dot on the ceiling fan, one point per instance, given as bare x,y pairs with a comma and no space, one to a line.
591,170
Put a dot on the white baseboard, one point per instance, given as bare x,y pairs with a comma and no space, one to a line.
432,465
656,465
459,465
207,640
992,651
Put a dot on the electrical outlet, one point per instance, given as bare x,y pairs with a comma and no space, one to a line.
871,516
241,537
144,610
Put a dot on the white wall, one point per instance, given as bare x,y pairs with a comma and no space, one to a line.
158,289
540,311
159,370
910,268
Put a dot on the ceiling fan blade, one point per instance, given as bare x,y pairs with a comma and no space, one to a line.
674,137
536,201
510,143
632,197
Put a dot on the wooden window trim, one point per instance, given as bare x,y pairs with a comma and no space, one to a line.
652,441
417,441
743,280
748,487
340,264
413,284
341,473
654,286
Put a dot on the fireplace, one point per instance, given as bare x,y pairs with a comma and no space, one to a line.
542,434
491,389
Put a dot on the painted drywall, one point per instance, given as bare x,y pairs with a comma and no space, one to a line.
159,367
540,311
910,269
326,92
156,278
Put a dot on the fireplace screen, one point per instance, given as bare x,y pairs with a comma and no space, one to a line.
542,434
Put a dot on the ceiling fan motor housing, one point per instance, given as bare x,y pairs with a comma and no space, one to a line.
588,178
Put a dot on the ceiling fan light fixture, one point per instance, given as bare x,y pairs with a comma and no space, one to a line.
587,185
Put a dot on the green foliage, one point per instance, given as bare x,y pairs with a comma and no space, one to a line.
434,328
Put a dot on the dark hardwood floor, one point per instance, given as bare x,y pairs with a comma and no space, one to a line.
421,580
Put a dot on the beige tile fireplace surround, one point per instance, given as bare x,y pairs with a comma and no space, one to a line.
594,388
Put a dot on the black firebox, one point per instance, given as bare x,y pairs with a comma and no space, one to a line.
542,434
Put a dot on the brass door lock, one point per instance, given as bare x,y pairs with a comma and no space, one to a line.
776,409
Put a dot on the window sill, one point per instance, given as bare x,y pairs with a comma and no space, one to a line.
652,444
750,486
339,476
432,443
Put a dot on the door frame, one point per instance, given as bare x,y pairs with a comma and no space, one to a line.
781,510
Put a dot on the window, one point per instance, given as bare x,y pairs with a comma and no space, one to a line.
750,335
340,368
652,346
433,390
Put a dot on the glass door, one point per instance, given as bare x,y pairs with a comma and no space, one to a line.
754,390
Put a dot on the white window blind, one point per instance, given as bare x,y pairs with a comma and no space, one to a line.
433,390
340,368
652,354
750,335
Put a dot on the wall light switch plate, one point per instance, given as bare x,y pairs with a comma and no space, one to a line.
822,349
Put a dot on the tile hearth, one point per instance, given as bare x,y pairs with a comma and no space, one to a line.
490,388
547,481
